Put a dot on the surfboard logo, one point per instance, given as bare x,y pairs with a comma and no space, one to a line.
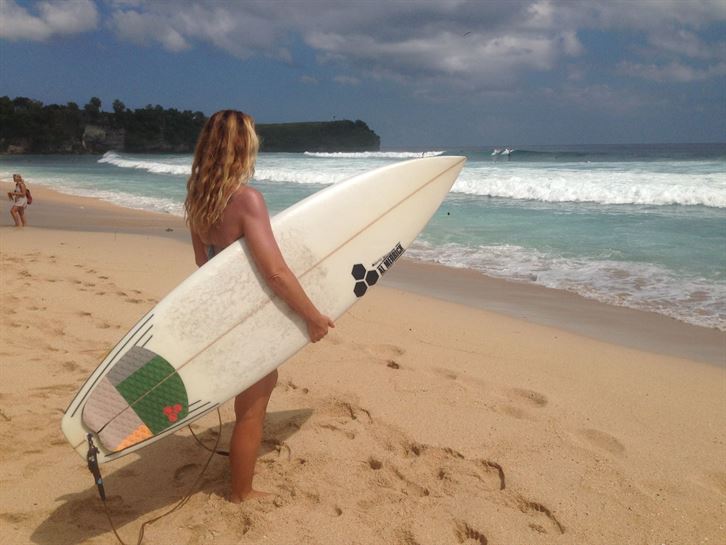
365,278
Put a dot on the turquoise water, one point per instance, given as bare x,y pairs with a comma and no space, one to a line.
638,226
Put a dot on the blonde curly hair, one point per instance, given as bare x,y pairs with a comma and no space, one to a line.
224,158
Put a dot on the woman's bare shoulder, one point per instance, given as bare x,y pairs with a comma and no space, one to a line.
250,200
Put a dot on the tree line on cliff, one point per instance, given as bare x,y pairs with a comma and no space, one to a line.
29,126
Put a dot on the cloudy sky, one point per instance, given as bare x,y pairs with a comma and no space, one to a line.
421,73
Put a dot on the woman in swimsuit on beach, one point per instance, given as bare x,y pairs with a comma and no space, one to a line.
221,208
20,201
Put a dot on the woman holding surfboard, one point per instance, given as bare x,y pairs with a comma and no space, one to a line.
220,209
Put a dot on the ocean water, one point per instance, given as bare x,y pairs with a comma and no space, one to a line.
642,226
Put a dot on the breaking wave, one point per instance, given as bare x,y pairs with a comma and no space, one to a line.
176,166
375,154
605,186
643,286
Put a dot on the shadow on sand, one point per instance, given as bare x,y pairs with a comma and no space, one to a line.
161,476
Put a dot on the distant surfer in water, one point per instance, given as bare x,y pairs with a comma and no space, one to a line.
221,208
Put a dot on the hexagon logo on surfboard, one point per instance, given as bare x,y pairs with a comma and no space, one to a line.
365,278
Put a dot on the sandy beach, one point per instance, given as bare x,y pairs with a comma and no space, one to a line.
445,408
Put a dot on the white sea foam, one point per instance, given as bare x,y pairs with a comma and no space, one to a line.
300,175
178,167
268,169
127,200
374,154
641,286
604,186
653,184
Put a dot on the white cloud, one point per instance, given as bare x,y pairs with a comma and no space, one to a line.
347,80
144,29
480,43
636,15
674,71
309,80
242,29
602,97
466,44
52,19
685,43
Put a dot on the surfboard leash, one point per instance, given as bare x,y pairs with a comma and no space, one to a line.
92,460
205,447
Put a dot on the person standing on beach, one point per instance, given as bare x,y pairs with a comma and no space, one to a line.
221,208
19,196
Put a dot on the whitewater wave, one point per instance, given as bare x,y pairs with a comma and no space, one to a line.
604,186
181,168
642,286
660,185
374,154
300,176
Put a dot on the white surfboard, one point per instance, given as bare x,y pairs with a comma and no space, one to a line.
222,329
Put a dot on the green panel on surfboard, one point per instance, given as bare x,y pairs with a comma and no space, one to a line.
156,394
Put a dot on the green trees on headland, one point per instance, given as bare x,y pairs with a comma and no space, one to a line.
28,126
341,135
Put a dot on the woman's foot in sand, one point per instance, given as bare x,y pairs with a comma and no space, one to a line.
251,495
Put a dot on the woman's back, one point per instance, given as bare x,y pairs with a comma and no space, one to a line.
231,225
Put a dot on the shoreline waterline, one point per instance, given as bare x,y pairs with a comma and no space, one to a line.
639,227
556,308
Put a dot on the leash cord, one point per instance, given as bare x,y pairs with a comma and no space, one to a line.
214,450
93,467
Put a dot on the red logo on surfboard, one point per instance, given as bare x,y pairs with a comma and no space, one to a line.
172,412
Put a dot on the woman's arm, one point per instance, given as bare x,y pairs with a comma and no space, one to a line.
270,262
20,193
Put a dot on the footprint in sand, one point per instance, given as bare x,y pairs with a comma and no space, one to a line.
184,472
332,427
530,397
603,441
348,410
535,508
446,373
466,535
70,366
514,412
521,399
375,464
15,518
385,351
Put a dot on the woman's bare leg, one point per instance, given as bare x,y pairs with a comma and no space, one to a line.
249,407
16,216
21,213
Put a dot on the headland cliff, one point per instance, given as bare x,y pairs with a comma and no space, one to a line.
29,126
